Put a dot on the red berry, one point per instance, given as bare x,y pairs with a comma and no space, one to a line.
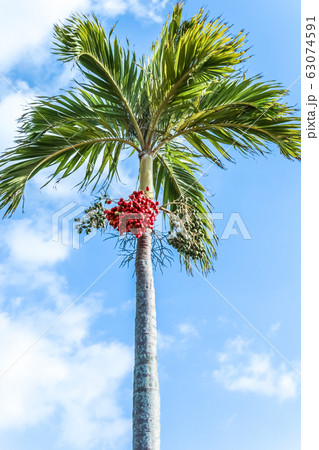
144,209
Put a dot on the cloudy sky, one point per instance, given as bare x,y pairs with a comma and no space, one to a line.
228,346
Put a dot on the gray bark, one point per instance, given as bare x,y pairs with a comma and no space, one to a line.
146,397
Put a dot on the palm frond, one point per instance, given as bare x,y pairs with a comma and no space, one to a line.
188,55
176,175
111,70
183,103
63,132
244,114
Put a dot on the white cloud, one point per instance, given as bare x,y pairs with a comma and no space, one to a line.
65,379
150,10
187,330
78,380
274,328
165,341
30,258
242,369
26,27
11,107
28,265
30,242
112,8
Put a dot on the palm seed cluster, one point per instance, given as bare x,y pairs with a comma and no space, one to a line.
94,216
187,235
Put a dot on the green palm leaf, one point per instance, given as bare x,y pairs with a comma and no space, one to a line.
176,175
186,101
244,114
186,56
63,132
111,70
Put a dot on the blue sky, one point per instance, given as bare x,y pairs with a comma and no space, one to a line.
222,385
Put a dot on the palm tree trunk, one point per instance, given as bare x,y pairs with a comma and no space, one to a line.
146,398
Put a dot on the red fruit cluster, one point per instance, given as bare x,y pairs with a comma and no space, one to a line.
134,215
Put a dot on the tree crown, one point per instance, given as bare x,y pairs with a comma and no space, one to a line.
185,101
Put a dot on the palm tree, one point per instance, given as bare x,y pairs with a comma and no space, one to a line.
185,103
